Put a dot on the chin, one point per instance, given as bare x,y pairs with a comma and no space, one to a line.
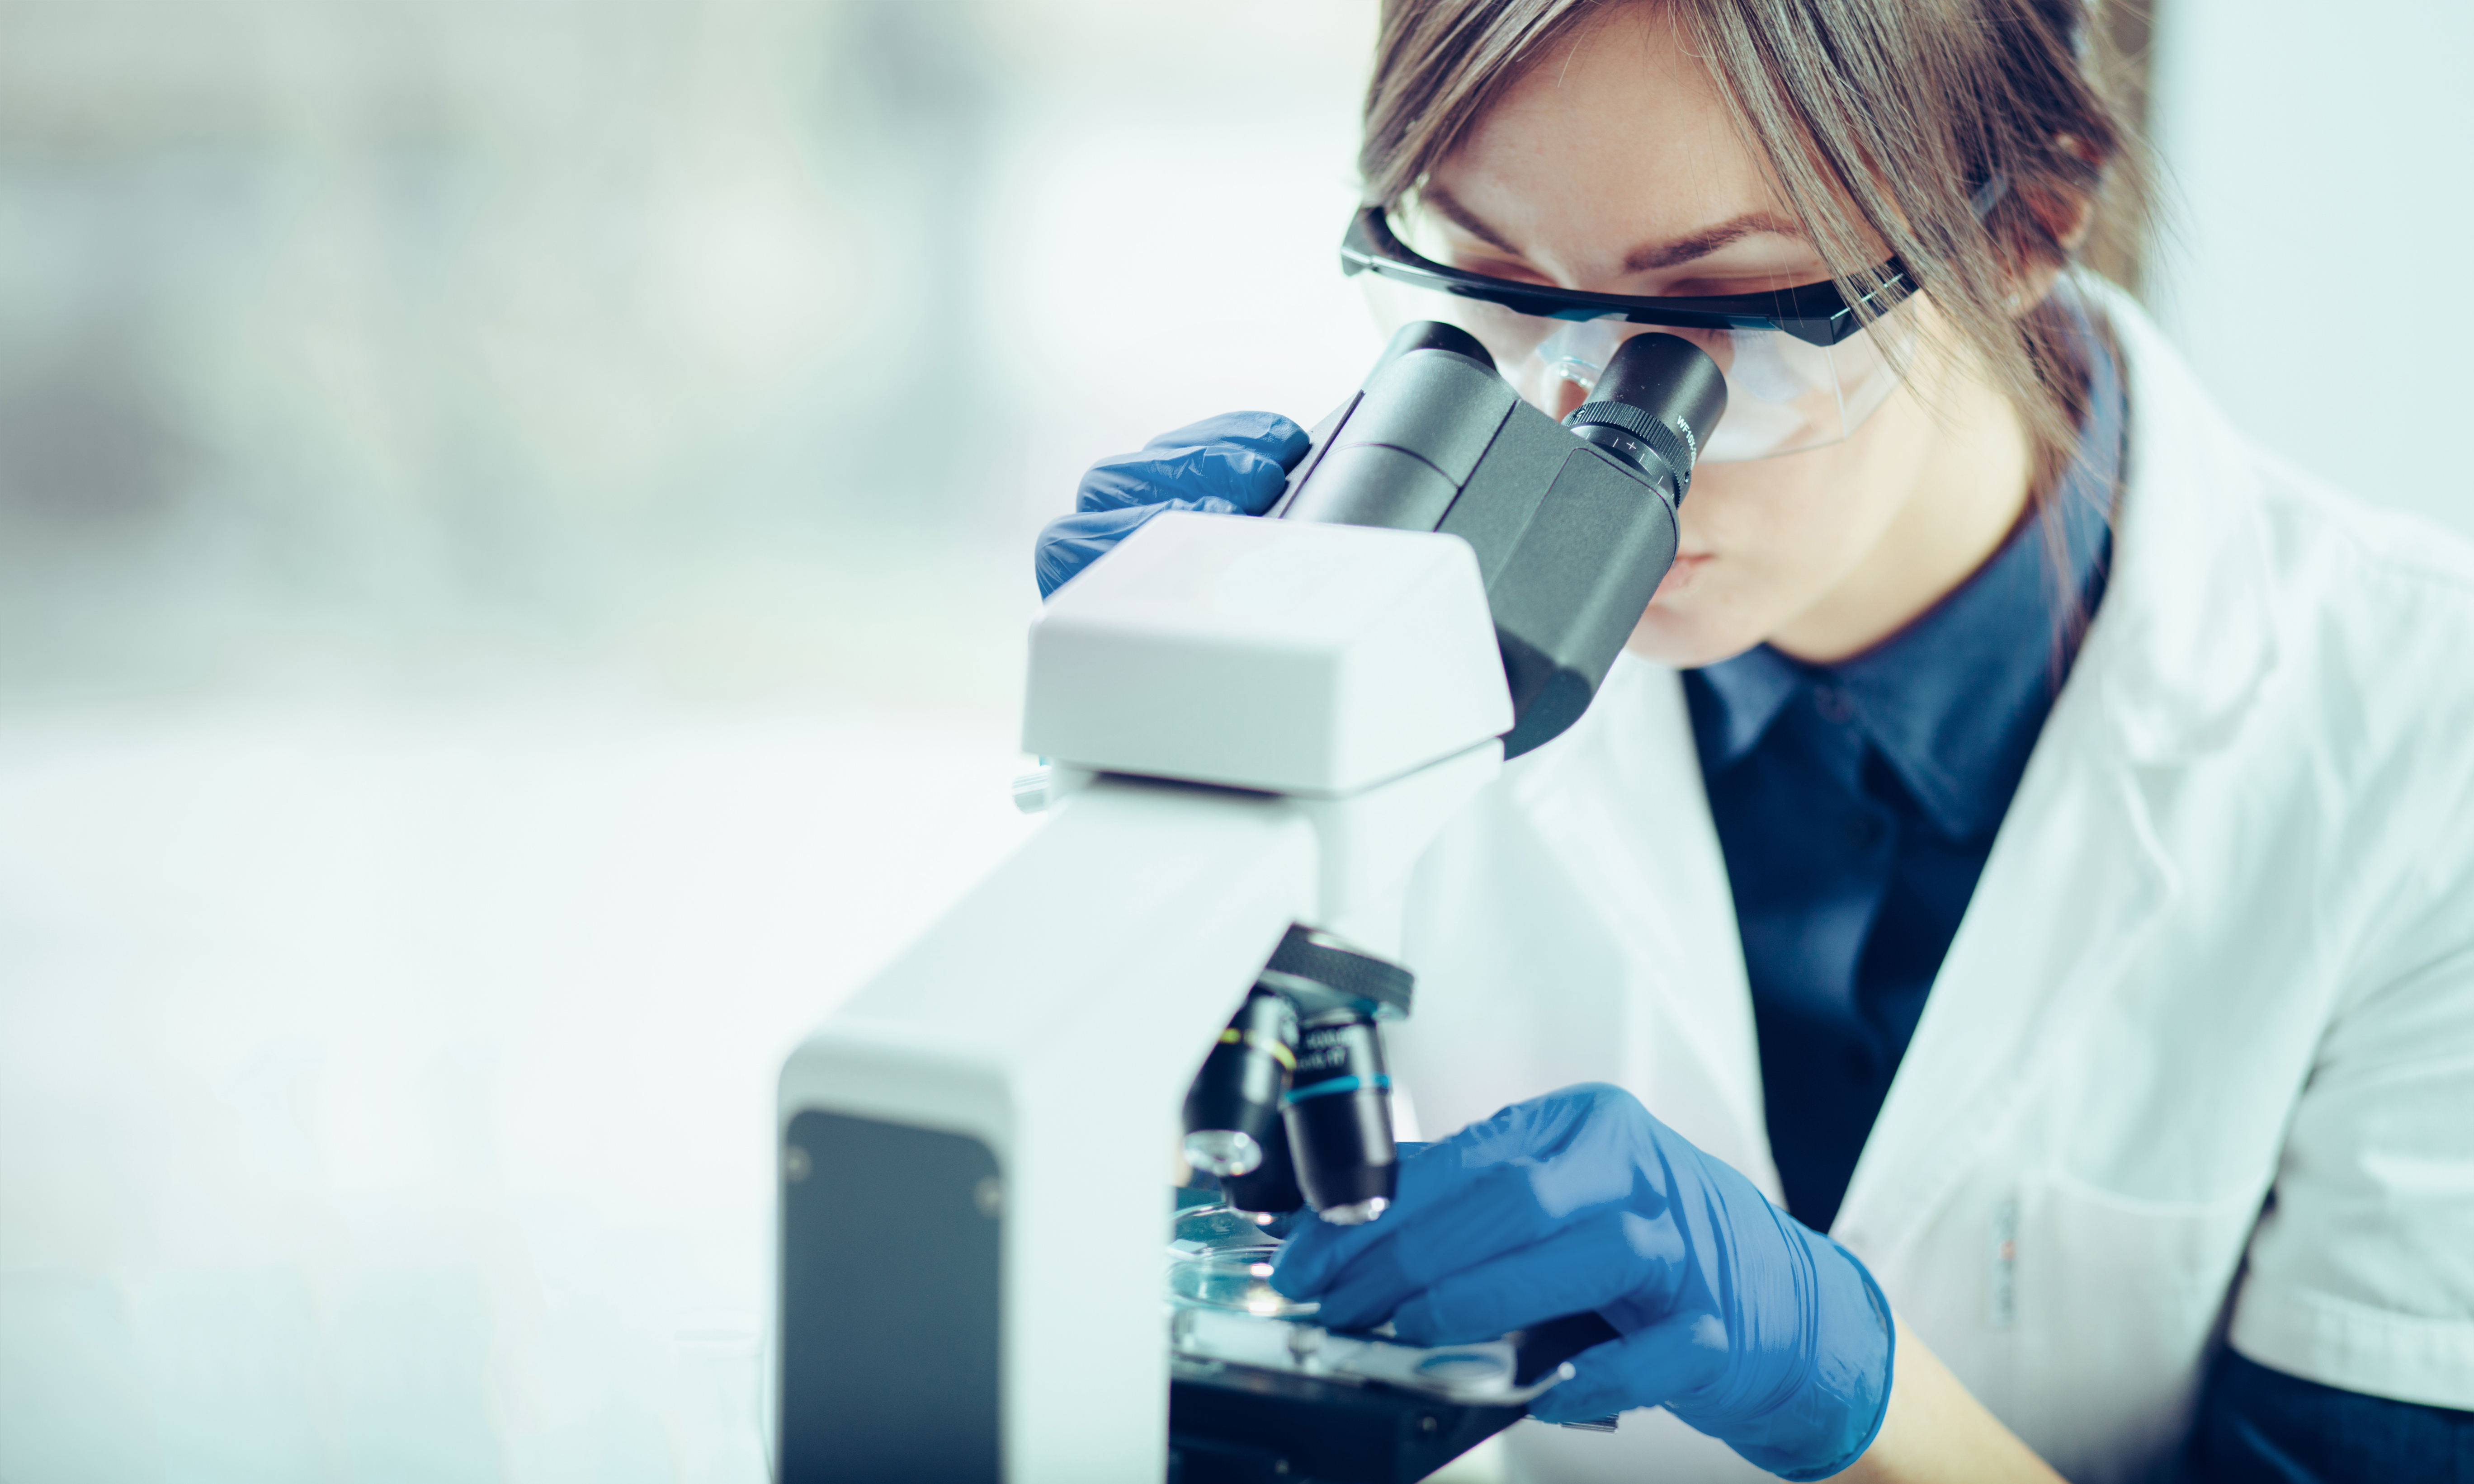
1671,634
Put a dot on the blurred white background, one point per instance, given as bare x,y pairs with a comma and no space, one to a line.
513,553
2318,194
514,546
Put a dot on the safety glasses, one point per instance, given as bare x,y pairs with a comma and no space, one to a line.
1802,369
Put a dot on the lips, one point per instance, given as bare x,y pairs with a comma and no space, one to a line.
1679,577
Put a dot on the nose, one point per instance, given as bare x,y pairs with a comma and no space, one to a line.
1562,397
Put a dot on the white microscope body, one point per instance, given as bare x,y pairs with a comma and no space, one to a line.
1269,721
1254,723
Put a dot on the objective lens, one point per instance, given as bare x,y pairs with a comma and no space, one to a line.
1234,1103
1271,1188
1338,1118
1356,1214
1314,1106
1222,1151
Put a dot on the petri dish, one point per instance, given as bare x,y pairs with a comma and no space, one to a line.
1238,1281
1199,1229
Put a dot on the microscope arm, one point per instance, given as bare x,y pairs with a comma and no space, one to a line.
977,1147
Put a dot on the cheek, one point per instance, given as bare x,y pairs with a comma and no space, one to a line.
1765,514
1811,517
1780,534
1773,529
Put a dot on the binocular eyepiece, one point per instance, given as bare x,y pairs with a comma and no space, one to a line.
1573,523
1293,1106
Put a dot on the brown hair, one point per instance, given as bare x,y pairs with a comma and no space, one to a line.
1880,119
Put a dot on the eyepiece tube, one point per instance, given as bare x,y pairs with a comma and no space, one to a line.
1434,335
1654,405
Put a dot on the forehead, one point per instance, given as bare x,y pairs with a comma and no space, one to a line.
1616,130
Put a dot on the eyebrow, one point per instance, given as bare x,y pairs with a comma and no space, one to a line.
1643,258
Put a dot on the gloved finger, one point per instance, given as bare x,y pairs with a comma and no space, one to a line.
1318,1249
1611,1256
1318,1254
1266,432
1447,1218
1070,543
1241,457
1502,1184
1249,481
1678,1354
1376,1287
1490,1188
1546,1127
1464,1199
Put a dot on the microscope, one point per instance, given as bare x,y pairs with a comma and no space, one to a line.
1254,728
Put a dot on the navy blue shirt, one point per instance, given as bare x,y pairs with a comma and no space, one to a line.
1856,803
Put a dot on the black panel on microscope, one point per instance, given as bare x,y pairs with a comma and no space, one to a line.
890,1304
1236,1424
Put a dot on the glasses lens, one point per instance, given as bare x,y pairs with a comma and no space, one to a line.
1783,394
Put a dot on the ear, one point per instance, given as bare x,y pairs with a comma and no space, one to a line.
2064,211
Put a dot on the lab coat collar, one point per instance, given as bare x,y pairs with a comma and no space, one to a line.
2078,878
2185,640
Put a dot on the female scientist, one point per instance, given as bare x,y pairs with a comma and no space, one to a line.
2046,1041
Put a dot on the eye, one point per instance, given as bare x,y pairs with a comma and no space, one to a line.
1701,280
1762,262
1495,266
1712,287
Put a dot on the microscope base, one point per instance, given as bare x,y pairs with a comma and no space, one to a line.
1237,1425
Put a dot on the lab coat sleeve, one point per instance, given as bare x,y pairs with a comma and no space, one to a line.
2362,1270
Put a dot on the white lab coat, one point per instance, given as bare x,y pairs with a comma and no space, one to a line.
2221,959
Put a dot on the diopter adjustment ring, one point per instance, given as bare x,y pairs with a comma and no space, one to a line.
1675,445
1323,973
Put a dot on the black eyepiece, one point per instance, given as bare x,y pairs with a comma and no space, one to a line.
1655,404
1434,335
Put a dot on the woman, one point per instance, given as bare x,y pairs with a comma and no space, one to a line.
2076,921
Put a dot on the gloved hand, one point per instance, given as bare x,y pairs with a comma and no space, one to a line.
1236,463
1734,1316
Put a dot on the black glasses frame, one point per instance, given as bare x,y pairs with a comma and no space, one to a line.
1815,313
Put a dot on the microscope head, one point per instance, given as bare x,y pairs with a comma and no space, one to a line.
1573,525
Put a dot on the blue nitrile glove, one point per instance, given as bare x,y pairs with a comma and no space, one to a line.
1234,464
1734,1316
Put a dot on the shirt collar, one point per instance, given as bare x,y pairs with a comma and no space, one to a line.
1954,701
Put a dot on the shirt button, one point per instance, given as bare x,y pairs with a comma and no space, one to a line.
1833,703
